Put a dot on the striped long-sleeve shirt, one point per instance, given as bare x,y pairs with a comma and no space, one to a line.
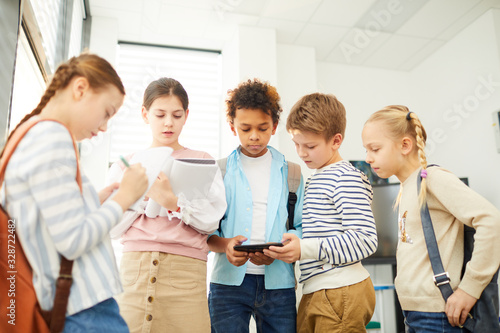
338,228
51,215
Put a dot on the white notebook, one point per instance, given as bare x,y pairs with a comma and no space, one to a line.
191,176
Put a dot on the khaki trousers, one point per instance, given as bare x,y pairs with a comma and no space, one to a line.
164,293
346,309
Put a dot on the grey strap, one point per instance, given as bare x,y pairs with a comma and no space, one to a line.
441,278
293,177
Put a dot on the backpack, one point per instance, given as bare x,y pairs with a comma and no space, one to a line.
18,302
483,317
293,180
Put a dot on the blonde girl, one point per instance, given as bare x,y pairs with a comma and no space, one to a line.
53,217
163,267
394,139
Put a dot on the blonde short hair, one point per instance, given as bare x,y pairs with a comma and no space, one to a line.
318,113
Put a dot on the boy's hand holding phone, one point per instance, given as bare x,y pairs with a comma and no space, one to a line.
259,258
237,258
289,253
255,252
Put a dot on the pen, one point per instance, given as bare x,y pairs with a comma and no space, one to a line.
124,161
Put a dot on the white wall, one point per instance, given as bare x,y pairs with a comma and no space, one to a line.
230,79
454,78
296,78
458,90
362,91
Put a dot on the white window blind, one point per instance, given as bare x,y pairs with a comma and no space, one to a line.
200,74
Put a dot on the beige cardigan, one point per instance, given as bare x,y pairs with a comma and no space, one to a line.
451,204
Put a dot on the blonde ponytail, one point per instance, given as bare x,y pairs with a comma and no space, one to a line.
420,140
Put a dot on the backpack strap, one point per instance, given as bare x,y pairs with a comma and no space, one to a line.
441,277
57,316
16,138
293,176
293,180
222,165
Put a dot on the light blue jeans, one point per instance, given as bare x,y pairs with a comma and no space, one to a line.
428,322
231,307
103,317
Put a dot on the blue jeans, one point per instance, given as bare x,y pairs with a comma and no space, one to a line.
230,307
428,322
103,317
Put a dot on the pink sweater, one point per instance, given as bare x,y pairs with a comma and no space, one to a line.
164,235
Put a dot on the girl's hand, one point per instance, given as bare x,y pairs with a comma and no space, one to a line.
162,193
133,185
237,258
259,258
106,192
289,253
458,307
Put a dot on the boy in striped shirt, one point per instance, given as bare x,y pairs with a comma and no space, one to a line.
338,225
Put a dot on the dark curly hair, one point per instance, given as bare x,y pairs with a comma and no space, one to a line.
254,94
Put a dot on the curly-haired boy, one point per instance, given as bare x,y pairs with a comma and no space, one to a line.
245,284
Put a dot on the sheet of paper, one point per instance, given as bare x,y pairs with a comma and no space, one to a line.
153,160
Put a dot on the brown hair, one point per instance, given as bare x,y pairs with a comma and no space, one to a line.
254,94
401,122
95,69
318,113
165,87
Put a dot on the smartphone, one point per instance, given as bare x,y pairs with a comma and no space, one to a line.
255,247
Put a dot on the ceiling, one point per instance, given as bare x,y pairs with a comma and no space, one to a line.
389,34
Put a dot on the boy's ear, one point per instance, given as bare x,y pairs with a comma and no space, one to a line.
336,141
231,124
275,126
144,114
406,145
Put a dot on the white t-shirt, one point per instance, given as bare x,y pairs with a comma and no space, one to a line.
258,173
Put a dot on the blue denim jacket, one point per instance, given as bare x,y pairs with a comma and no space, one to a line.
238,220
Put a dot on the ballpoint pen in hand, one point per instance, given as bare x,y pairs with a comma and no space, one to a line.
124,161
